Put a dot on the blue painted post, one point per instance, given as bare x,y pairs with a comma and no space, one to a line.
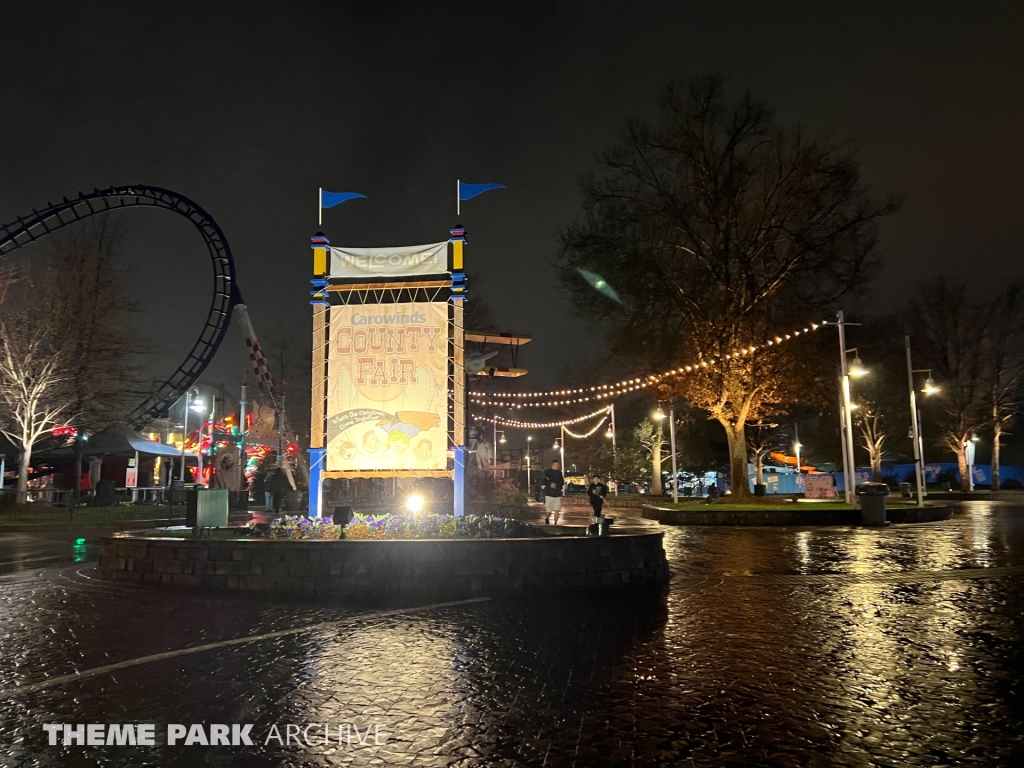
315,481
316,468
459,476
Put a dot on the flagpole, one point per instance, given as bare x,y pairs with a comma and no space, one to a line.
458,203
320,209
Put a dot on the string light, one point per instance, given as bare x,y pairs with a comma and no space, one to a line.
585,435
619,388
538,425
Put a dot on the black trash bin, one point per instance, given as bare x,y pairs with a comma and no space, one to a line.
872,503
905,489
177,491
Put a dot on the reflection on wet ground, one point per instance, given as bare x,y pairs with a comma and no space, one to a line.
837,646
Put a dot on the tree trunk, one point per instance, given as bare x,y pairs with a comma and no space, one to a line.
997,437
22,492
657,489
961,463
876,466
758,467
738,462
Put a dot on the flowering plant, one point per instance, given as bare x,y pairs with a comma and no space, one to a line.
298,527
437,527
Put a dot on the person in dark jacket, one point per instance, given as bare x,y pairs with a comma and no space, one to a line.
278,486
553,484
259,491
597,491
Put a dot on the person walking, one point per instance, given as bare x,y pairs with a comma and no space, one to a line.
553,484
278,486
597,491
259,490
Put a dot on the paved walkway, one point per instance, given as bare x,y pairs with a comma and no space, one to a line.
777,647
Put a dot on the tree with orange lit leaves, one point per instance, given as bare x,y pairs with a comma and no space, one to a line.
754,388
712,230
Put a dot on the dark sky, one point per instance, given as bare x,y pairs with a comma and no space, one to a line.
248,108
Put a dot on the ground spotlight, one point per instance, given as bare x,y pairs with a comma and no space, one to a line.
414,504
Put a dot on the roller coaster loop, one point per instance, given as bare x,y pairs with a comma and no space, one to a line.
28,229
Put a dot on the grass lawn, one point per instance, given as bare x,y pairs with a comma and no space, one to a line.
26,515
767,506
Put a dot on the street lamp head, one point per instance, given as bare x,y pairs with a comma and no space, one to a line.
658,415
930,387
198,405
529,438
502,440
857,368
609,434
974,438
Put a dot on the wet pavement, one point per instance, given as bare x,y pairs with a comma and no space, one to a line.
776,647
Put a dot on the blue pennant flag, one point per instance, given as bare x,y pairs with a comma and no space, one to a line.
331,199
469,191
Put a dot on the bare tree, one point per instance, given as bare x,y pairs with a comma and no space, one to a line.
873,432
881,396
1005,346
32,376
762,439
85,297
953,327
718,229
651,438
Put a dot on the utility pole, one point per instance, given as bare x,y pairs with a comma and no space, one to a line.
561,457
241,438
615,449
672,446
915,428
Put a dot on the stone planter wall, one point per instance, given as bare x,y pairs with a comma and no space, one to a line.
787,515
448,569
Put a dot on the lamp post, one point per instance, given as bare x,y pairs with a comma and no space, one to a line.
657,488
672,446
615,449
855,369
969,455
561,455
197,406
915,422
529,439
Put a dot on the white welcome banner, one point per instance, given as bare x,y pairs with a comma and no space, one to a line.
406,261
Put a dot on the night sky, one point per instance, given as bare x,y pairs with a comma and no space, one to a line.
248,108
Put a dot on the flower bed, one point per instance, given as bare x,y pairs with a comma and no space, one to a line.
399,527
299,527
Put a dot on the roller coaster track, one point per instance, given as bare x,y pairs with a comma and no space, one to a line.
42,223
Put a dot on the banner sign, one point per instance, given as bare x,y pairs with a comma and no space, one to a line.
819,486
387,406
263,425
390,262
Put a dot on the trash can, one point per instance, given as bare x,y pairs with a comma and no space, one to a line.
206,508
905,490
872,503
